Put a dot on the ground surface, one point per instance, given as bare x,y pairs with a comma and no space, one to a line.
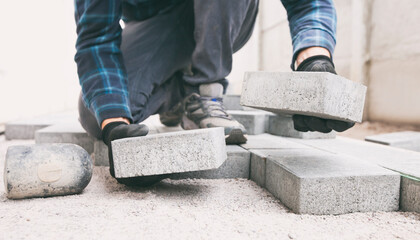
184,209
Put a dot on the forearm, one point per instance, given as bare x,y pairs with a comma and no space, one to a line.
99,60
312,24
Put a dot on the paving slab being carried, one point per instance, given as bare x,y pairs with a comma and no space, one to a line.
323,95
167,153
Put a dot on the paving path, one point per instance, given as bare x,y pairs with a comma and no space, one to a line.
184,209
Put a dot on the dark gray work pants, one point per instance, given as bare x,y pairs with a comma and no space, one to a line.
199,35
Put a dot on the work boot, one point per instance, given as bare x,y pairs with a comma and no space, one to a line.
173,117
205,110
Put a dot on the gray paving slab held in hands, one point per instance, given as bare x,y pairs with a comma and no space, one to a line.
168,153
316,94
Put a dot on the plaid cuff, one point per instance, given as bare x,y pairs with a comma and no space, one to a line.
312,38
111,106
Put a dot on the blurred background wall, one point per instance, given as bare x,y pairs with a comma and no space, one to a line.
378,44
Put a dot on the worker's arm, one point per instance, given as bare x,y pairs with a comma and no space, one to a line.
99,61
312,24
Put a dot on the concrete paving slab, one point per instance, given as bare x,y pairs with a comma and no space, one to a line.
310,181
255,122
410,194
167,153
399,160
282,125
100,153
26,128
69,132
267,141
322,95
232,102
409,140
236,166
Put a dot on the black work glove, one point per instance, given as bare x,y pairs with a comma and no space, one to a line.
302,123
117,130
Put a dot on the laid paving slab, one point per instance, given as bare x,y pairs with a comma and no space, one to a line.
232,102
168,153
409,140
410,194
68,132
282,125
43,170
402,161
236,166
317,94
100,153
267,141
26,128
255,122
310,181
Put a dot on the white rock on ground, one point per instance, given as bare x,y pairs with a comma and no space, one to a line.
184,209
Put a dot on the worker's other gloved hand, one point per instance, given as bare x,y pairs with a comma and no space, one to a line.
118,130
302,123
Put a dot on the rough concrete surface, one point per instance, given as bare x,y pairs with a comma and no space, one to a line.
282,125
410,194
184,209
42,170
310,181
322,95
173,152
68,132
255,122
409,140
236,166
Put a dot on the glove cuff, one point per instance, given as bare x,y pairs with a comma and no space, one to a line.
107,130
305,63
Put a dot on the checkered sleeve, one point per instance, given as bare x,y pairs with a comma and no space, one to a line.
100,67
312,24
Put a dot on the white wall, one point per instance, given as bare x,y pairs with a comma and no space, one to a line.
37,71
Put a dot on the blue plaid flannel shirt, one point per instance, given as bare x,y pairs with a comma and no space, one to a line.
101,70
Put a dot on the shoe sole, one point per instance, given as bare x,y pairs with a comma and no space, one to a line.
235,136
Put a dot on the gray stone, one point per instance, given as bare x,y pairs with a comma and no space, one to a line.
100,153
309,181
231,102
167,153
257,168
255,122
317,94
235,166
26,128
69,132
44,170
267,141
410,194
282,125
407,140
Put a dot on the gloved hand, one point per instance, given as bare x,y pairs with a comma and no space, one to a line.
118,130
319,63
